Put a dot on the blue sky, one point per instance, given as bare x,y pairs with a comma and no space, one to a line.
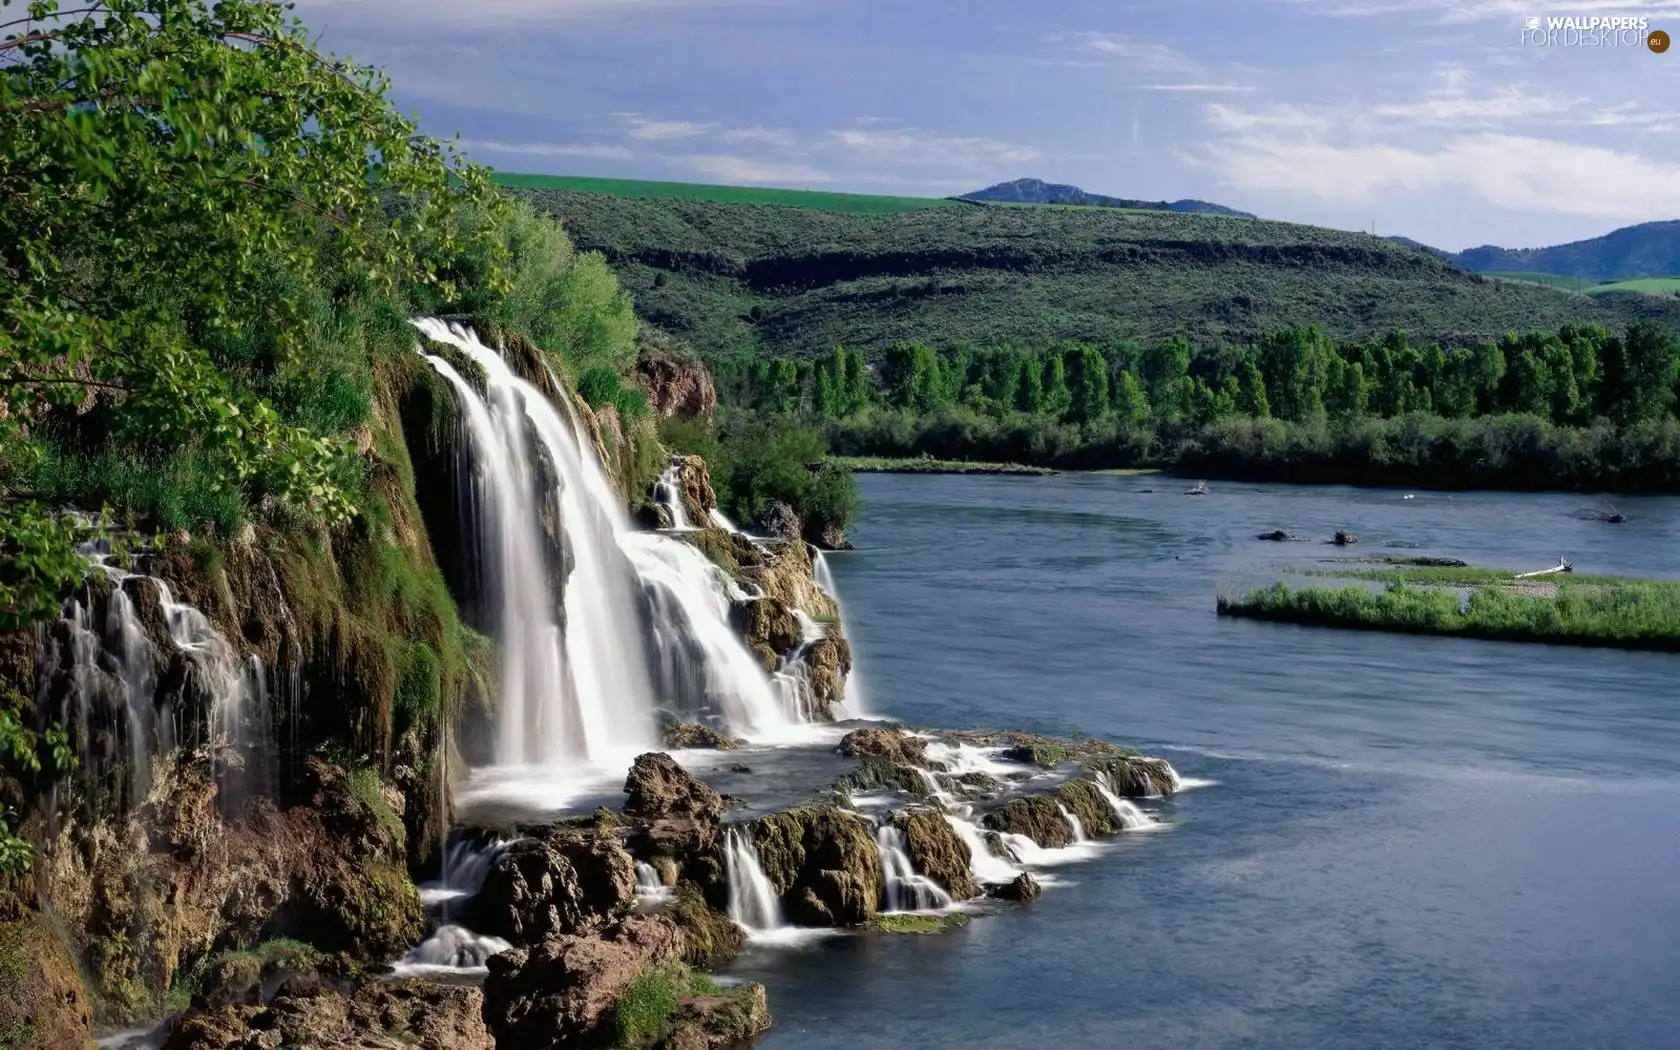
1425,117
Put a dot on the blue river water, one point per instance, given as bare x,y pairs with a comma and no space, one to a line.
1408,842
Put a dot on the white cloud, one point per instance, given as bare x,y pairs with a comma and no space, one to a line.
1481,10
917,148
775,138
645,130
731,169
592,150
474,12
1453,105
1198,88
1293,157
1146,56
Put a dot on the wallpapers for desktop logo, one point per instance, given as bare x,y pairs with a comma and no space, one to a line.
1593,31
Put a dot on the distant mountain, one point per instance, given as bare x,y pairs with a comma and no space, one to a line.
1651,249
1037,191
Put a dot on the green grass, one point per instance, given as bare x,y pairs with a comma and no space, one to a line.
646,1006
1615,613
929,465
736,278
1455,576
1648,285
917,924
855,203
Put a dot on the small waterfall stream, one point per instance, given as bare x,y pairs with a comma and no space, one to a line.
1073,823
906,889
1131,818
667,492
752,899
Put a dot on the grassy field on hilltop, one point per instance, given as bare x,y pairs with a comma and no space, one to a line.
741,278
1646,285
853,203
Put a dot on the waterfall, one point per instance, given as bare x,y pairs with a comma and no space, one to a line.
988,867
667,492
108,667
1073,822
906,889
1131,818
854,699
821,574
583,669
465,866
752,899
649,886
575,680
721,521
451,951
697,648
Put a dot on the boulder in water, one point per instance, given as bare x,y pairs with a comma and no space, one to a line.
1280,536
823,863
1344,539
830,537
540,888
937,851
710,939
653,516
1022,888
1137,776
693,736
718,1022
658,787
562,992
894,745
1036,816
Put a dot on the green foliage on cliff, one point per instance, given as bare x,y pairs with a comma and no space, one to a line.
756,460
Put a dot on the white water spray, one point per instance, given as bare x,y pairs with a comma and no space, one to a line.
906,889
667,492
988,867
1131,818
1073,823
752,899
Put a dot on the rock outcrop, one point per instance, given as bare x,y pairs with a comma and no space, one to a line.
894,745
42,1003
1137,776
400,1015
718,1022
1035,816
936,851
823,863
694,482
687,736
659,788
565,883
1022,888
562,992
778,519
676,384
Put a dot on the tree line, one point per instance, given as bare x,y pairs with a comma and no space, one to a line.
1571,377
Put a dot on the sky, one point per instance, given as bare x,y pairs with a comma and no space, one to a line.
1427,118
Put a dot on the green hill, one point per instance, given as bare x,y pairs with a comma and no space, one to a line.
1645,250
860,203
731,277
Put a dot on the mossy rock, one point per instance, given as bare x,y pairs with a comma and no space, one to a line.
1084,801
43,1005
937,851
692,736
823,862
1035,816
731,1017
880,774
712,940
917,924
368,910
1132,776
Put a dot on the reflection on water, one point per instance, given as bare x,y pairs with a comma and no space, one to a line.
1411,841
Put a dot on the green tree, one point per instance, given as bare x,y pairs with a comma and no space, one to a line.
1251,393
1029,387
1638,373
1087,374
161,162
1131,403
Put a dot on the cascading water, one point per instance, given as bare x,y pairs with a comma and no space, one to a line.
752,899
721,520
584,685
1073,823
857,705
649,886
667,491
988,867
451,951
703,667
466,864
574,671
906,889
1131,818
107,672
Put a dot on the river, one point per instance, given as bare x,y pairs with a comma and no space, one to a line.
1407,841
